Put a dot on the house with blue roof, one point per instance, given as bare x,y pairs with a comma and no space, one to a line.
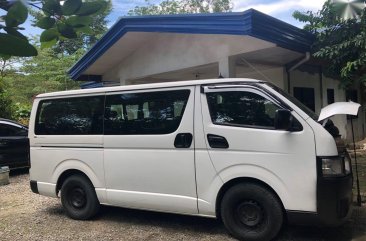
250,44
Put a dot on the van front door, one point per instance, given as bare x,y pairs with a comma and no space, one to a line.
149,150
243,142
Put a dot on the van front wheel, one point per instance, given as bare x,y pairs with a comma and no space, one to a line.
251,212
78,198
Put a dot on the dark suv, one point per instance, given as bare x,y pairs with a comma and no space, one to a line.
14,144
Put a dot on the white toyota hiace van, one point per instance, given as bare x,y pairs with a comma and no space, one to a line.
236,149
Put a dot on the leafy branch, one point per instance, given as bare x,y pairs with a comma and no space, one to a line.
60,20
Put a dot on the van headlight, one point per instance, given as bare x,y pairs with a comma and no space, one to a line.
335,166
347,165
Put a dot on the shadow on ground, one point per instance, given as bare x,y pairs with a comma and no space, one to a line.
18,172
165,220
354,229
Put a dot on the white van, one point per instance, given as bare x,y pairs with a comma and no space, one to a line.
240,150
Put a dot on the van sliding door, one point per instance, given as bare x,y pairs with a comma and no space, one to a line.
149,150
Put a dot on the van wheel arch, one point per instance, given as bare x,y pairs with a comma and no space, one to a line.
239,180
67,174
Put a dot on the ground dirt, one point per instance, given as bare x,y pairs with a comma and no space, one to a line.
28,216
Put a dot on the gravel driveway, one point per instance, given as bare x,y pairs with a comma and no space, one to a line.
27,216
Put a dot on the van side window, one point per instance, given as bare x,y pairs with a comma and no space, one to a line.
70,116
148,113
240,108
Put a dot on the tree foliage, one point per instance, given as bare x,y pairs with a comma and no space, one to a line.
6,66
60,20
31,76
182,6
5,104
49,71
87,38
340,41
70,27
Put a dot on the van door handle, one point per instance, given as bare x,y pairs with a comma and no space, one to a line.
183,140
216,141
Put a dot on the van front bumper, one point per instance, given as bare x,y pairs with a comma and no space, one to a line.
334,203
334,199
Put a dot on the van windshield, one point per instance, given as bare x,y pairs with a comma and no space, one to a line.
303,107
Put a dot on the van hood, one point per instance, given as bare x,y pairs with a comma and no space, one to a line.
339,108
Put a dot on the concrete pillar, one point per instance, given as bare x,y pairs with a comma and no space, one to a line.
227,67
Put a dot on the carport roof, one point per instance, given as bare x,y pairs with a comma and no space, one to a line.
251,22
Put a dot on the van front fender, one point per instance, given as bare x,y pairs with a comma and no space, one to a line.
258,173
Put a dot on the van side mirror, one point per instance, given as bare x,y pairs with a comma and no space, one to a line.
283,120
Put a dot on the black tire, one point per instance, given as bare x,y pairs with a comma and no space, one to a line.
78,198
251,212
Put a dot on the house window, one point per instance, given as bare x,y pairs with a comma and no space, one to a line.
351,95
330,96
305,96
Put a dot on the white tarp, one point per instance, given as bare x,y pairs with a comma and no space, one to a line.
339,108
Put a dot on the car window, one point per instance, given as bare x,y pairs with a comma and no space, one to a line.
70,116
241,108
10,130
144,113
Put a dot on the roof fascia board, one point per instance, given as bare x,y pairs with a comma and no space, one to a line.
281,33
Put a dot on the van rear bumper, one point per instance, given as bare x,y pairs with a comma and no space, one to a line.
34,186
334,203
43,188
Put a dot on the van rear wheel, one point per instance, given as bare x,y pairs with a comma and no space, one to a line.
251,212
78,198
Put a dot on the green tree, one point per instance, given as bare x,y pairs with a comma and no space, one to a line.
6,103
31,76
340,40
7,66
60,20
48,71
182,6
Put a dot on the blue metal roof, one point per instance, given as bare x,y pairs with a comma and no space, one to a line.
251,22
90,85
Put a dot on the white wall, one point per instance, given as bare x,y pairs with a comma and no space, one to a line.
272,74
111,75
170,52
341,122
307,80
339,95
358,123
312,80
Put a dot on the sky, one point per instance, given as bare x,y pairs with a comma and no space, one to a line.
281,9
